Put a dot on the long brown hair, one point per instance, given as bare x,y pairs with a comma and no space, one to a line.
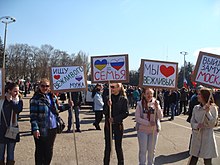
205,93
144,101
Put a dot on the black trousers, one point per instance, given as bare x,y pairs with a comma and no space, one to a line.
117,130
183,106
44,148
194,161
98,117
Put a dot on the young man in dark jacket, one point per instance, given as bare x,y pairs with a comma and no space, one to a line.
119,111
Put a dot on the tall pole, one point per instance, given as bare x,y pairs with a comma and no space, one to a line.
184,67
6,20
3,65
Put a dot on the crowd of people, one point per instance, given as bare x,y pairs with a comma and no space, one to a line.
150,107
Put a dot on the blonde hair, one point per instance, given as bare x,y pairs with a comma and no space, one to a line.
44,80
122,91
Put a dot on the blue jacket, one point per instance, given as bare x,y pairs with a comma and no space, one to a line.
98,102
39,111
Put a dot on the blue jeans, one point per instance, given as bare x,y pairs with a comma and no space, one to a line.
10,151
145,145
76,110
173,110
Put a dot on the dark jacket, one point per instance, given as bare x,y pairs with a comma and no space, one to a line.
183,95
193,102
39,111
8,108
119,110
76,98
173,98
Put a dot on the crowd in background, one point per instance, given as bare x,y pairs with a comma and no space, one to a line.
167,103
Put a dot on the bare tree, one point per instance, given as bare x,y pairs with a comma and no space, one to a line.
82,59
33,62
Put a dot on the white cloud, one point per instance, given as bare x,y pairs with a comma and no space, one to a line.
214,50
216,8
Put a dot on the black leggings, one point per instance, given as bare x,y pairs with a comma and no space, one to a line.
44,148
117,130
194,161
98,117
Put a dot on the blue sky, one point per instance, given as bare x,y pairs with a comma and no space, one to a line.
144,29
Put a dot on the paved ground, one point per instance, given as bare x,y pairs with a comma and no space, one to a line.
172,145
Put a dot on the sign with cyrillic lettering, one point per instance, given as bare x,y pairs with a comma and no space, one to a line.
68,78
113,68
158,74
207,70
2,82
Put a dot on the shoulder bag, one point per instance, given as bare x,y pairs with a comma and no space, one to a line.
60,125
11,131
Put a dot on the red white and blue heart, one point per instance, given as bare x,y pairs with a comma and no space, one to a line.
117,64
79,77
100,64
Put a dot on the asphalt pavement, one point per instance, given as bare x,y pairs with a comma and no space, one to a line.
172,146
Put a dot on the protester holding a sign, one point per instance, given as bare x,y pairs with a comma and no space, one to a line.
119,111
204,118
44,109
9,108
146,123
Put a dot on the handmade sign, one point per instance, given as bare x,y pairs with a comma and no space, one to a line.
2,80
158,74
207,70
112,68
68,79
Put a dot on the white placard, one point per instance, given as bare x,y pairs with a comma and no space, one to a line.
68,78
207,70
158,74
110,68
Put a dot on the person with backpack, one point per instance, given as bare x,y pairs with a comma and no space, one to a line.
148,115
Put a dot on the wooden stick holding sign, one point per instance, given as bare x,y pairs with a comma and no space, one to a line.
69,79
110,115
155,113
74,133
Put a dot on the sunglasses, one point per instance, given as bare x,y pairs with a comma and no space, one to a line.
113,87
44,86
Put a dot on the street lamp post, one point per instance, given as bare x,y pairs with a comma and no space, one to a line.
184,54
6,20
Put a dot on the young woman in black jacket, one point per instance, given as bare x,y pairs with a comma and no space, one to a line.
119,111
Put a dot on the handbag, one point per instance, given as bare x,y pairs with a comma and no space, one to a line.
60,125
11,131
